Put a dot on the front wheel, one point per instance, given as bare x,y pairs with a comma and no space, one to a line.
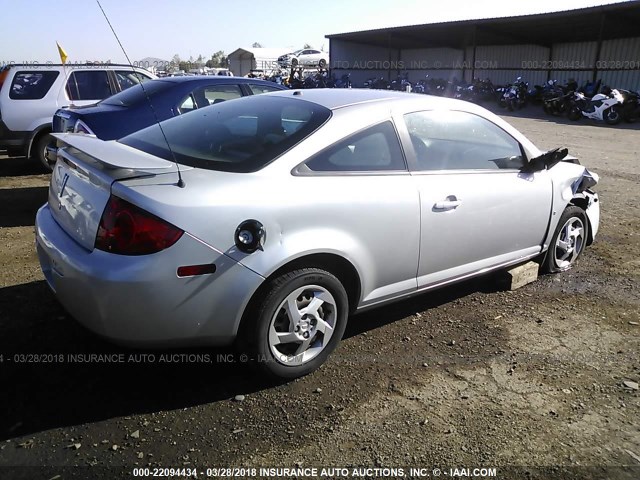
298,323
568,241
612,116
574,114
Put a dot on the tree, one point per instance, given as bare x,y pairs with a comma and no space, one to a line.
256,45
218,59
306,45
175,62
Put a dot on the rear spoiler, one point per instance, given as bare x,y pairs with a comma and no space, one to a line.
112,154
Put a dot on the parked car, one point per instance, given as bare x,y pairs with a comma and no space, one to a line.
31,93
267,220
306,56
140,106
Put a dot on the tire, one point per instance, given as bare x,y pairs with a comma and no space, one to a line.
294,62
38,150
574,114
612,116
568,241
322,63
306,340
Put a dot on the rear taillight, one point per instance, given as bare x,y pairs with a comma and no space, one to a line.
128,230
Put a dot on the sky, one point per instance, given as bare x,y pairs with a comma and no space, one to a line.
162,28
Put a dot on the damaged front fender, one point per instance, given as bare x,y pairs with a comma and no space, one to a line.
572,184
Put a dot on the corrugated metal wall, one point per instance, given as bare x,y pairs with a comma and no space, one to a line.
432,62
618,64
363,61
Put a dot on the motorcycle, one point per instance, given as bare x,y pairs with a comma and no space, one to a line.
515,95
343,82
377,83
606,106
539,93
401,83
630,105
559,105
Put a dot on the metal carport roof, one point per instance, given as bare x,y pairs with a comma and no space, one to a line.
619,20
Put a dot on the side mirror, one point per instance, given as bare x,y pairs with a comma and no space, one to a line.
545,161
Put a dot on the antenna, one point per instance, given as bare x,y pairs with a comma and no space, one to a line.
180,183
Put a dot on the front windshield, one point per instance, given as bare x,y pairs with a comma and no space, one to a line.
241,135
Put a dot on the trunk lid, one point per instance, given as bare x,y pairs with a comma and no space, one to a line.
82,178
65,118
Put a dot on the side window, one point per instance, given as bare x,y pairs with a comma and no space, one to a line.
88,85
450,140
32,85
374,149
128,78
257,89
215,94
187,104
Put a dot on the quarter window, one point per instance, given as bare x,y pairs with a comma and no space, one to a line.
374,149
452,140
88,85
31,85
257,89
216,93
128,78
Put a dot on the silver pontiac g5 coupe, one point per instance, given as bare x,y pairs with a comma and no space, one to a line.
267,220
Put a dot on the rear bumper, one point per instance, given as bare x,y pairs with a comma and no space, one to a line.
140,300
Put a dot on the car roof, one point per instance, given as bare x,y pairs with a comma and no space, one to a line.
214,79
334,98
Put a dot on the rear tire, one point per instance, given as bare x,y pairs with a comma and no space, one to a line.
322,63
568,241
298,322
39,149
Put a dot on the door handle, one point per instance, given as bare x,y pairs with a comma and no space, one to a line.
449,204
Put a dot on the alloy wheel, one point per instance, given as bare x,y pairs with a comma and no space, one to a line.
302,325
569,243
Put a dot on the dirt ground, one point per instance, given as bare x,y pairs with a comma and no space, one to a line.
530,382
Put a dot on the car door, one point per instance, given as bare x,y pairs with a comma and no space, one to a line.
306,57
361,186
85,87
478,210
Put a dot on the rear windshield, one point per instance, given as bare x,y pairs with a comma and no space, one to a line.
240,135
32,85
136,94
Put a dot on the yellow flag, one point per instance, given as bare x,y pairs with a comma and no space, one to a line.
63,54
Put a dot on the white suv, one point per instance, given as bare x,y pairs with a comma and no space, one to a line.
31,93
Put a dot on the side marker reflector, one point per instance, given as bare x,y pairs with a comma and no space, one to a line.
193,270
